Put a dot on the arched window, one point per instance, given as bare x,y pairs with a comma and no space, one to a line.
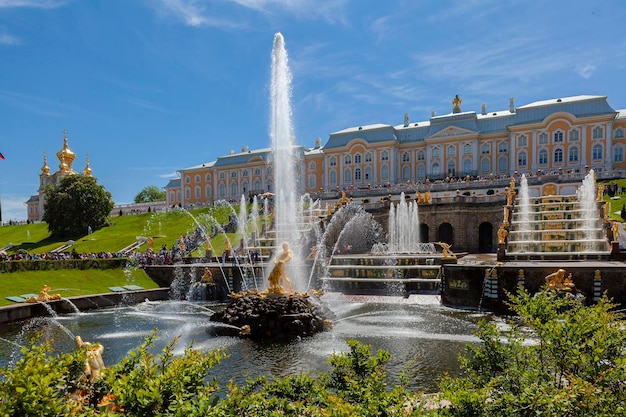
619,133
187,193
333,161
368,157
311,166
406,157
503,164
222,190
347,175
421,171
406,173
618,154
196,178
384,172
573,135
208,191
573,154
467,167
558,156
436,152
312,181
207,177
542,139
357,158
348,159
197,191
187,179
357,174
257,171
521,159
467,149
596,152
485,149
421,155
384,156
244,187
543,157
333,177
233,189
598,132
485,166
503,147
244,173
451,171
558,136
451,150
522,140
222,175
257,186
368,173
436,170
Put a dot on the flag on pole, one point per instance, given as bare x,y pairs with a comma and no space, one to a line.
1,156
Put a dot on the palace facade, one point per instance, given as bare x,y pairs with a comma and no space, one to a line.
35,204
566,135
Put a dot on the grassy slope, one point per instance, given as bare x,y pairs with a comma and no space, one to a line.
164,228
616,205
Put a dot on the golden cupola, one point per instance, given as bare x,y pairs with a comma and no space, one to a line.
45,169
87,170
66,156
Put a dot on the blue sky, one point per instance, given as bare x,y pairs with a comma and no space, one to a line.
146,87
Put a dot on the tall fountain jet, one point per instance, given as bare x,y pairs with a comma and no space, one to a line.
287,208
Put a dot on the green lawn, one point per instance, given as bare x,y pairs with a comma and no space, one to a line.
615,206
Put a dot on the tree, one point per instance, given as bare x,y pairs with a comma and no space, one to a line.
150,194
76,205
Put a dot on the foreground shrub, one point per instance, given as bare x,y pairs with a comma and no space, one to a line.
557,358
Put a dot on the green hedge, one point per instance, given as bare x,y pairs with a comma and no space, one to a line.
53,265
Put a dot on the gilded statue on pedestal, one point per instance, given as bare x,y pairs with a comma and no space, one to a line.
94,363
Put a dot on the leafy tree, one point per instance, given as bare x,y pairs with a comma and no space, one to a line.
150,194
76,205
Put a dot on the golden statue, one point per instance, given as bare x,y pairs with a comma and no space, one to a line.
44,296
278,272
445,248
94,363
600,191
502,234
456,104
207,277
615,230
506,215
510,193
558,281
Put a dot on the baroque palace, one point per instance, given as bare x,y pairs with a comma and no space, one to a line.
561,136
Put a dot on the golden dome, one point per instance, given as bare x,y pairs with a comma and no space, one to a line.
87,170
65,155
45,169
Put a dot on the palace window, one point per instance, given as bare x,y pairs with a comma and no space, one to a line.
421,155
618,154
503,147
451,150
573,154
421,171
619,133
436,170
406,157
503,164
485,166
357,158
384,156
187,179
558,156
357,174
368,157
485,149
558,136
196,178
435,152
244,173
198,192
384,172
333,177
522,140
598,132
348,159
311,166
543,157
451,169
573,135
208,191
368,173
542,138
333,161
521,159
467,149
596,152
312,181
207,177
257,186
406,173
467,167
257,171
347,175
222,190
233,174
233,189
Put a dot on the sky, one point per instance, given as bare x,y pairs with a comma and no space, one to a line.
147,87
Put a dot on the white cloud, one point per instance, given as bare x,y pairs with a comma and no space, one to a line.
192,13
585,70
35,4
7,39
13,208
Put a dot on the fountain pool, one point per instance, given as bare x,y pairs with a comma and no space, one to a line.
417,331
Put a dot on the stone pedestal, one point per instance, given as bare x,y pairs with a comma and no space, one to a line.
501,255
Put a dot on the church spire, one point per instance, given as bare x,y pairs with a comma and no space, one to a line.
45,169
66,156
